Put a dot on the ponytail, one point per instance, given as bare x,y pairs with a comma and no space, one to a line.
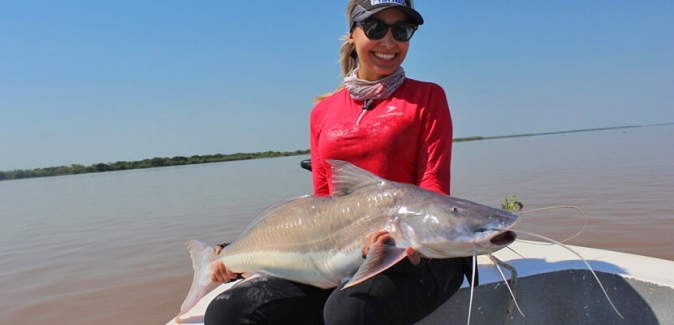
348,63
347,60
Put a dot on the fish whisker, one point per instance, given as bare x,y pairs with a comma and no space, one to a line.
472,286
514,251
563,207
513,278
579,256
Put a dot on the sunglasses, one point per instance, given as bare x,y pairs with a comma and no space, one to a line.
376,29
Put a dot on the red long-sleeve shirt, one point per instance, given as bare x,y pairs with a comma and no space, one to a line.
405,138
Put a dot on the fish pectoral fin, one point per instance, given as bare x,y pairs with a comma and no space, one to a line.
379,259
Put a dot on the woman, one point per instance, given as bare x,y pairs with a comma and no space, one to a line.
395,127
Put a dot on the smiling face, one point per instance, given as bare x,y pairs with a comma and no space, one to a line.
379,58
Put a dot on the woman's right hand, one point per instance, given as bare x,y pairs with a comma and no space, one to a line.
221,274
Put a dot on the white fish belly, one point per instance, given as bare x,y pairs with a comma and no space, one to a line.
321,269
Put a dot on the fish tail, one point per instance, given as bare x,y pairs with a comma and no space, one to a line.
202,255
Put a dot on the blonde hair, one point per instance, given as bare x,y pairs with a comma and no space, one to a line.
347,61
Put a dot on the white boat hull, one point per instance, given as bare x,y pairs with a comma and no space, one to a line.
553,287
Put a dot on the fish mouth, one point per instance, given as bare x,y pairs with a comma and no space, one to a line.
504,238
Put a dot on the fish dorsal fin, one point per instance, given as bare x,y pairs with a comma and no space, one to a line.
346,177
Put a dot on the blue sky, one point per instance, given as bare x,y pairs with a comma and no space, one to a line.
83,82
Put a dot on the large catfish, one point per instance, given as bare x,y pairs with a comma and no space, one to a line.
318,240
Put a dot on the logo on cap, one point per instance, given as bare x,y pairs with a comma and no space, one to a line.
376,2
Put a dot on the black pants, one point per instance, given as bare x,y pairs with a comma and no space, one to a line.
402,294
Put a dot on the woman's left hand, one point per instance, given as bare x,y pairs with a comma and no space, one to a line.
382,236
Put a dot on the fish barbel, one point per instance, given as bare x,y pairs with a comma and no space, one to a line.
318,240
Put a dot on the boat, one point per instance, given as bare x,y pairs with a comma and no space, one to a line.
552,285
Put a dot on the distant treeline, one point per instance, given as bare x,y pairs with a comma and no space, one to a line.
146,163
180,160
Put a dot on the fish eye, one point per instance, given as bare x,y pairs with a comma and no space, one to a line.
454,209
